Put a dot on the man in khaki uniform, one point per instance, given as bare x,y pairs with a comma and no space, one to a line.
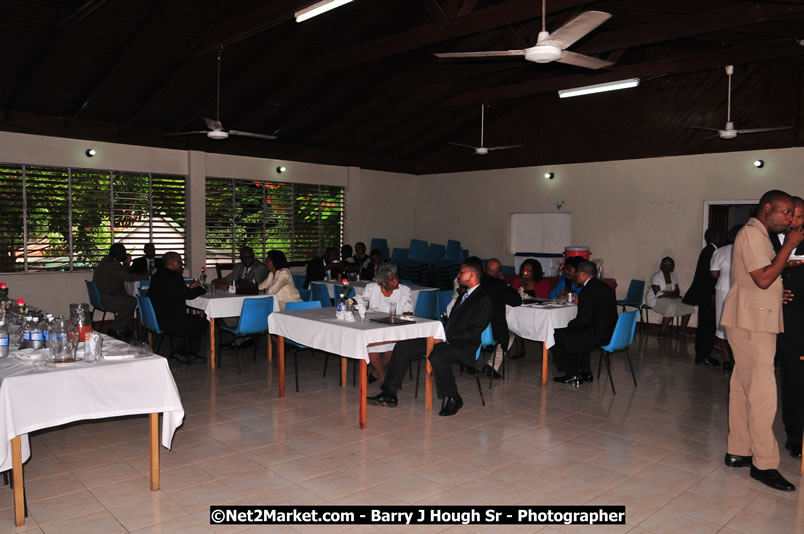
752,315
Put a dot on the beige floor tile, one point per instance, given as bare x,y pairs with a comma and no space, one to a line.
96,458
157,508
125,491
44,467
253,481
7,525
668,521
183,477
752,522
96,523
229,465
107,474
201,496
186,524
47,488
64,507
332,485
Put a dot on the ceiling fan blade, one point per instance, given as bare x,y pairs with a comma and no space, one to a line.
716,136
186,133
580,60
578,27
252,134
470,147
703,128
212,124
505,147
493,53
758,130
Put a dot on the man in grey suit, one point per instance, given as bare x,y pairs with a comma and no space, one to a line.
249,269
110,276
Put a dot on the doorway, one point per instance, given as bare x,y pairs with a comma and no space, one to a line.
722,215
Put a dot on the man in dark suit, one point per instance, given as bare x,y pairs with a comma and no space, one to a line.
468,318
591,328
247,275
110,276
702,294
168,293
324,268
501,294
147,264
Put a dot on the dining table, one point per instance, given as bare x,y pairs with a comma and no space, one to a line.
538,322
217,306
36,394
320,329
360,287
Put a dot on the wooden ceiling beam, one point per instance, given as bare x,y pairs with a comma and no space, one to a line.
477,21
467,7
436,13
689,63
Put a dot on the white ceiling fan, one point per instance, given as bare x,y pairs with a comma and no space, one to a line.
729,132
552,46
483,150
215,129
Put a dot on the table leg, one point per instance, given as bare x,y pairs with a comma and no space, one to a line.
16,475
154,434
344,372
544,362
212,343
280,344
270,348
428,378
363,391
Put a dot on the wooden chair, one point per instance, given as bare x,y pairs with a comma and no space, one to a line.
220,267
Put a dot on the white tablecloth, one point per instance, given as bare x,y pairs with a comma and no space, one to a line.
318,328
361,286
33,399
221,304
539,322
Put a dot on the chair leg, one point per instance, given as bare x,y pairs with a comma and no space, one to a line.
237,355
479,388
493,361
354,373
296,367
254,354
103,318
418,372
599,364
326,360
608,370
410,369
630,365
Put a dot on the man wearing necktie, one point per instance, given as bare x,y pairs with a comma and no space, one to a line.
467,320
147,264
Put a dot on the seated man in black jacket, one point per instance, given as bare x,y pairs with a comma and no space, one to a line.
591,328
168,293
501,294
467,320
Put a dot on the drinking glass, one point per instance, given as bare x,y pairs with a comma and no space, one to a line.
392,310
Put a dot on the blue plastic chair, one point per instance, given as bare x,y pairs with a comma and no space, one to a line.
427,305
435,253
320,293
633,298
381,245
304,294
621,339
143,287
417,250
507,269
95,299
253,322
453,251
151,325
398,255
444,298
291,306
298,280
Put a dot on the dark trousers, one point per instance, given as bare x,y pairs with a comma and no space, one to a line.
197,328
705,333
571,356
123,307
441,358
792,390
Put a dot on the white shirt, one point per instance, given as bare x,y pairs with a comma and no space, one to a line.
658,280
721,261
379,302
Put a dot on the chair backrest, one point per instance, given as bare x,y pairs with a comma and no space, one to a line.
435,252
94,295
221,267
508,269
636,290
417,250
453,250
290,306
148,315
623,334
427,305
380,244
444,298
304,294
298,280
398,255
339,291
319,292
143,287
486,340
254,315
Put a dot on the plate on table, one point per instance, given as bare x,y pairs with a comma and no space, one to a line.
68,362
393,320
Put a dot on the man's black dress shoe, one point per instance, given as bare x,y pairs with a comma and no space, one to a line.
587,377
734,460
451,406
772,478
568,379
488,371
383,399
710,362
793,447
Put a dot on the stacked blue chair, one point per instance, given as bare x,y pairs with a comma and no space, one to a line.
253,322
291,306
320,293
621,339
398,255
381,245
453,251
436,253
95,299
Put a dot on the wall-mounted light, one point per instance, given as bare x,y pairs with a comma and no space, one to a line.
759,163
281,169
90,152
549,175
318,8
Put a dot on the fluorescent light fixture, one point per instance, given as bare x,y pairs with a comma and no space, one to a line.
319,7
599,88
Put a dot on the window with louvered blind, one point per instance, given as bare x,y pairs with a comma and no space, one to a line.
298,219
61,219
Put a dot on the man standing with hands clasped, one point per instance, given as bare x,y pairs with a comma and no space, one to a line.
752,315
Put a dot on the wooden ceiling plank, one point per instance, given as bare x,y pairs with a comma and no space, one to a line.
467,7
435,12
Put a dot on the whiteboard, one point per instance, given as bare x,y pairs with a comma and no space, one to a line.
540,232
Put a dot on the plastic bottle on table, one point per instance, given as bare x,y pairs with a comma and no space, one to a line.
3,339
26,332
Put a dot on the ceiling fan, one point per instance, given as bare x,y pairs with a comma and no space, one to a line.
729,132
483,150
215,129
552,46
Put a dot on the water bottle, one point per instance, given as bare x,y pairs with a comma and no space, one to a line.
26,333
37,336
3,339
46,328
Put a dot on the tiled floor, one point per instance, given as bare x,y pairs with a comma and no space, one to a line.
658,449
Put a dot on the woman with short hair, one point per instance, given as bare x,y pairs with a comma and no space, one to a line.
279,282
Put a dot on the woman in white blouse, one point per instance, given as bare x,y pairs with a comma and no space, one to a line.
720,267
381,294
279,282
664,296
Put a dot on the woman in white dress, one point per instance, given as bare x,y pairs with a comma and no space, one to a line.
381,294
664,297
720,267
279,282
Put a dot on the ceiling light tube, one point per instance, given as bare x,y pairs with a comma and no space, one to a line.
319,7
599,88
